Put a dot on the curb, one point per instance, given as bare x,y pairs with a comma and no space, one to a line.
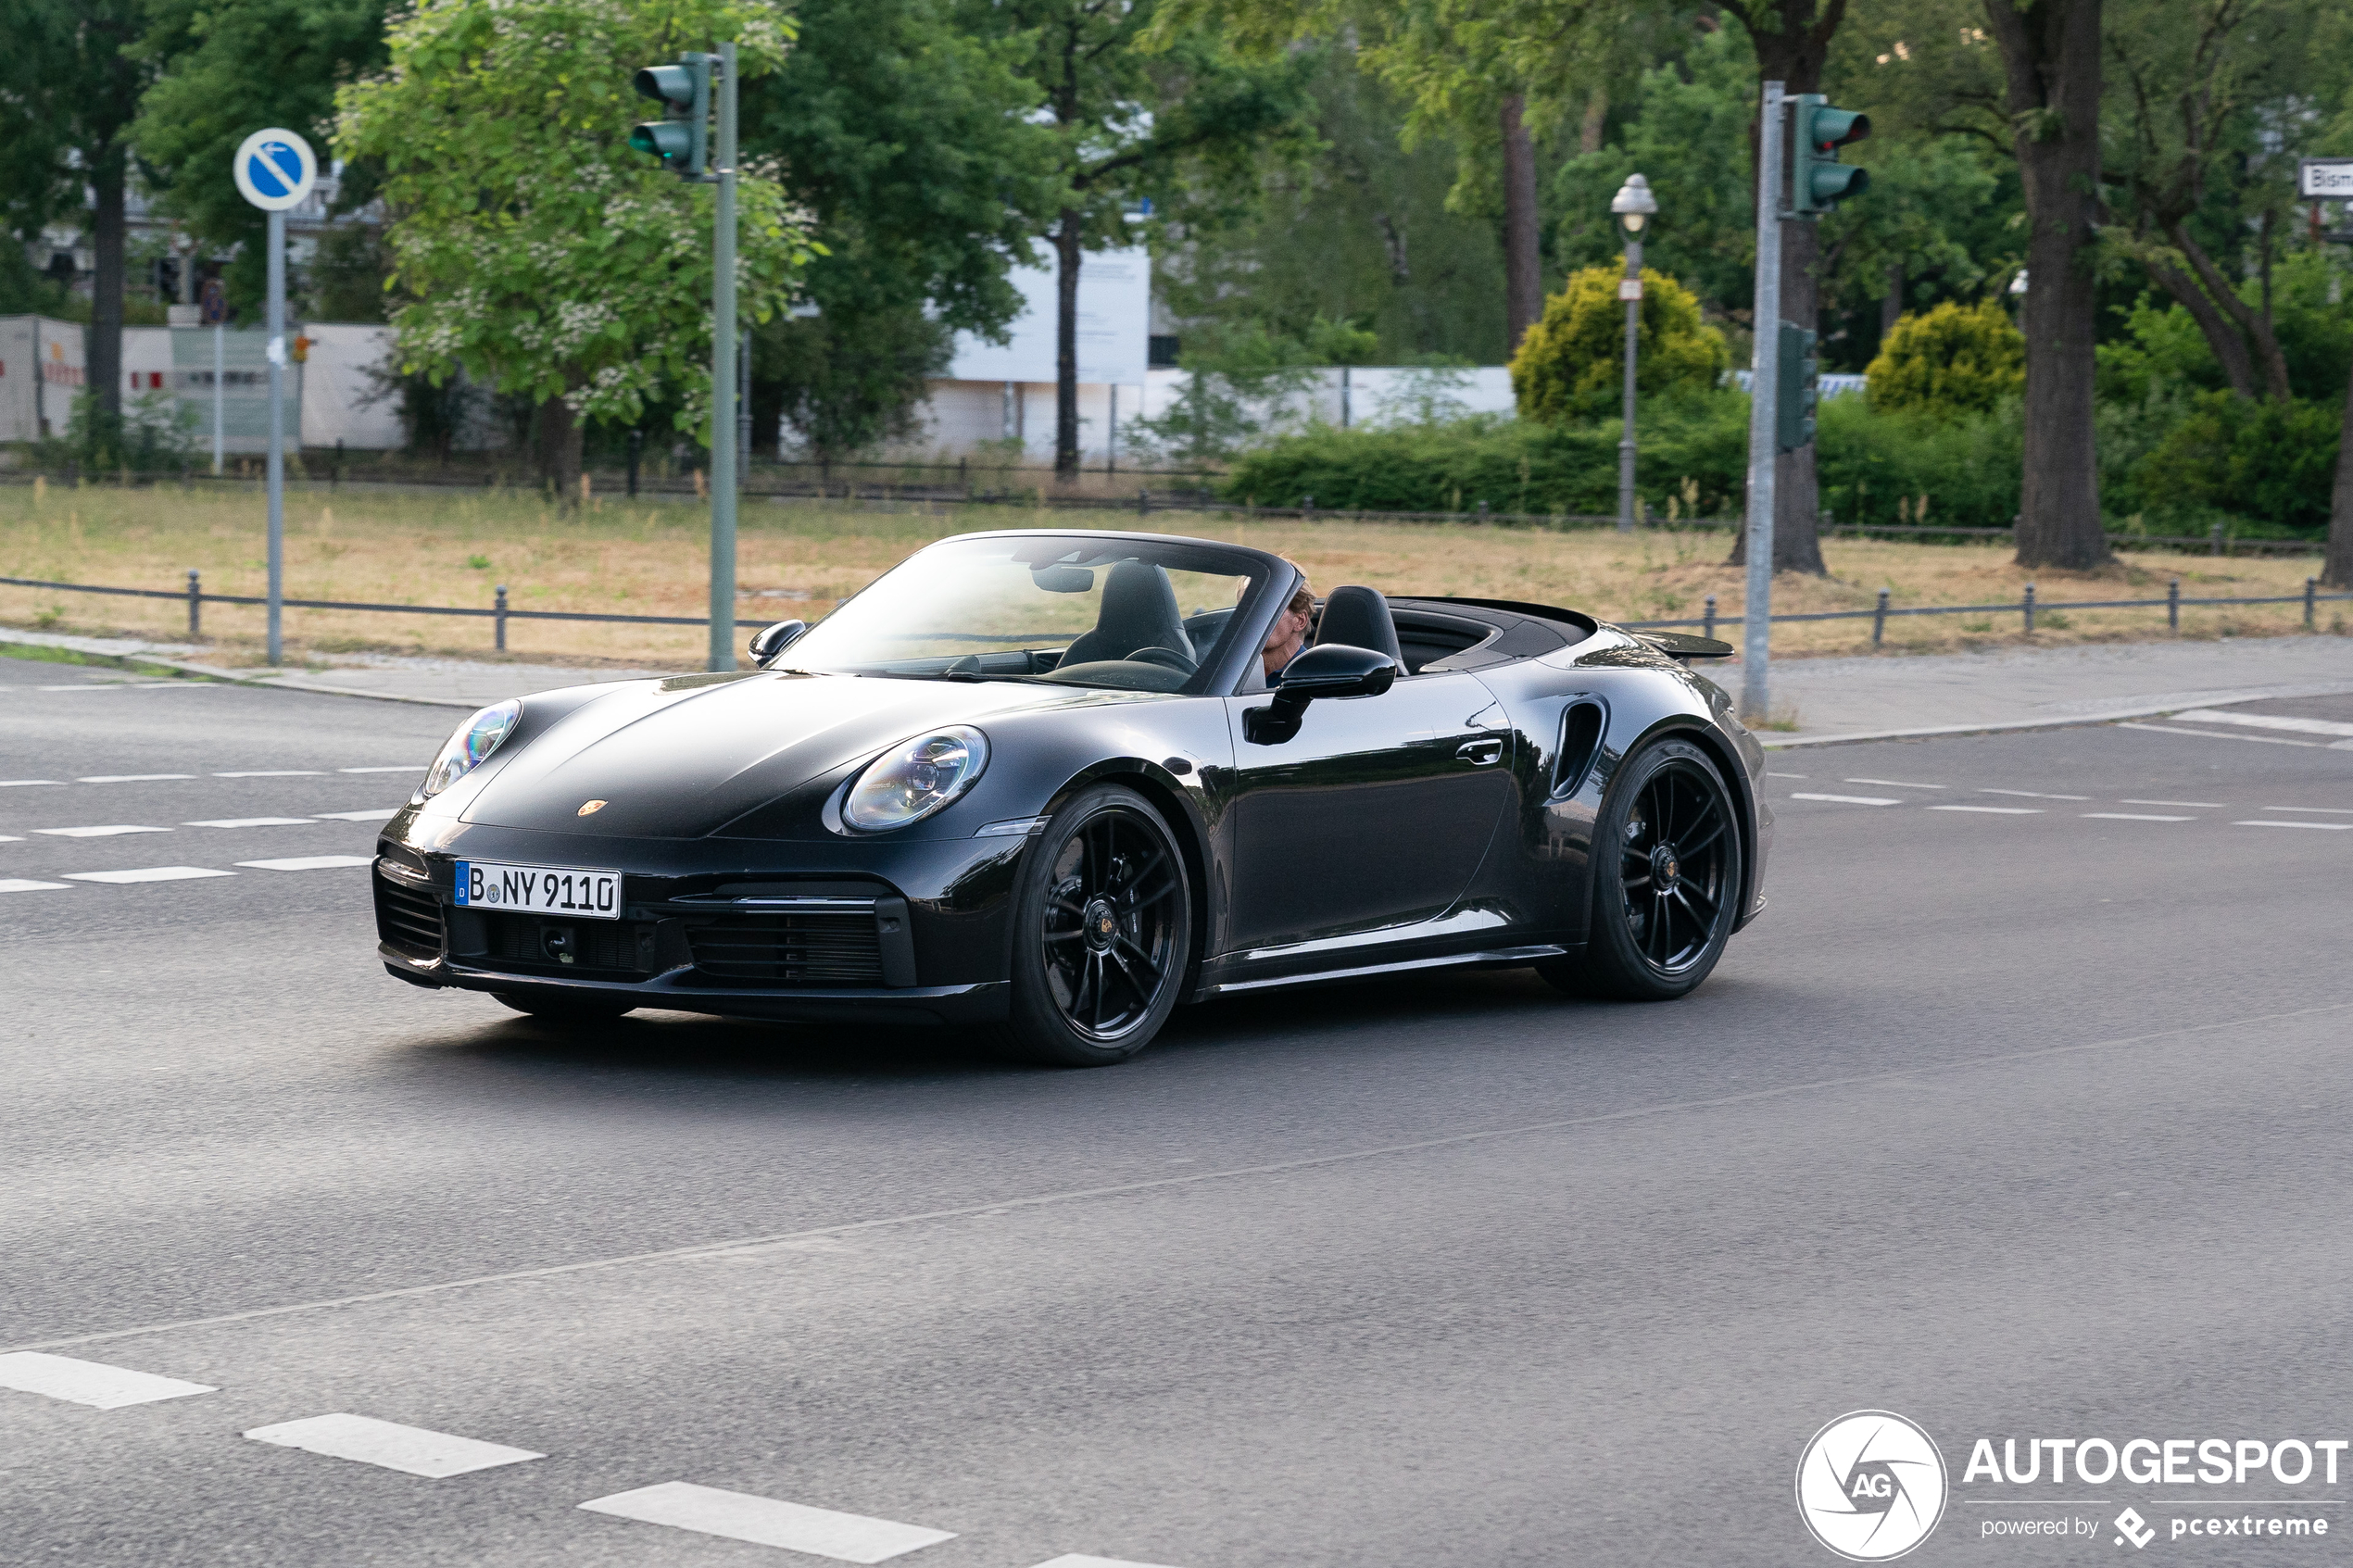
2105,716
108,652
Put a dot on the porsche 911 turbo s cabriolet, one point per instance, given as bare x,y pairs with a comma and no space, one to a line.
1037,785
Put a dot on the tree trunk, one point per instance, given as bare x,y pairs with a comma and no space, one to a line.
2226,340
107,235
1589,134
2336,570
559,436
2051,63
1067,253
1523,262
2257,324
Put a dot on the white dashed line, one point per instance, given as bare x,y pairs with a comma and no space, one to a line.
1995,810
133,778
2217,734
306,862
739,1516
1771,775
22,783
2133,817
25,885
1075,1559
2210,804
12,838
2325,827
146,873
413,1451
2264,721
275,773
1896,783
385,815
396,767
2034,794
111,831
89,1383
1845,799
252,823
2324,811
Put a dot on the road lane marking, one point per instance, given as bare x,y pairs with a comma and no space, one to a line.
1845,799
275,773
1002,1206
1773,775
2217,734
2325,810
252,822
12,838
145,873
2210,804
2133,817
2263,722
2034,794
1995,810
2325,827
1896,783
309,862
1077,1560
26,885
109,830
385,815
396,767
739,1516
94,1384
132,778
414,1451
22,783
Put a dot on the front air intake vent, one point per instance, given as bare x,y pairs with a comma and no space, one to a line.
787,950
408,918
1581,741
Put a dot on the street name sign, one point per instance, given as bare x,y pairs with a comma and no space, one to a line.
2325,179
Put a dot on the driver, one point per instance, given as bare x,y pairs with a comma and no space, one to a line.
1289,633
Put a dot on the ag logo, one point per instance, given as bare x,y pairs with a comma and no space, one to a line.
1871,1486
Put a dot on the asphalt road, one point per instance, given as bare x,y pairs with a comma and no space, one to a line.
2023,1122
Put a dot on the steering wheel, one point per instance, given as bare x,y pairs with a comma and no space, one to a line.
1167,659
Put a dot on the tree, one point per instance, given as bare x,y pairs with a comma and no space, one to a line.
1573,361
1955,360
69,83
228,68
908,140
534,248
1185,122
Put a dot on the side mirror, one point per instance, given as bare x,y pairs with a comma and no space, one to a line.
1328,670
770,641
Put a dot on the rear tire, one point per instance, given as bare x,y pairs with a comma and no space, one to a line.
563,1009
1102,933
1666,873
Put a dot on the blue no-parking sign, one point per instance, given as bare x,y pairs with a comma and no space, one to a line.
275,170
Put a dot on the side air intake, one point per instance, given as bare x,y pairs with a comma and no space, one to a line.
1581,741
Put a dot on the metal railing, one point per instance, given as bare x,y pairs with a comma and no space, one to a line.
499,613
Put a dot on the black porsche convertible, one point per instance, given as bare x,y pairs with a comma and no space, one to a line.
1039,785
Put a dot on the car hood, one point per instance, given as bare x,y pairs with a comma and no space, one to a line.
681,757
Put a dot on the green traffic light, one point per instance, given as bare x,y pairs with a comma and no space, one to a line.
665,139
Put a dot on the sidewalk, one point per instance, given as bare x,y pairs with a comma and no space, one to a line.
1832,699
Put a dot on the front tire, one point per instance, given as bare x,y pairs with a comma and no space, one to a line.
1102,933
1666,873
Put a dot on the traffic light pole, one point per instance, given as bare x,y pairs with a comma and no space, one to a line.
277,323
1757,609
722,380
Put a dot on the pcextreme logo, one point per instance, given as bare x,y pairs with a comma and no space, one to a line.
1871,1486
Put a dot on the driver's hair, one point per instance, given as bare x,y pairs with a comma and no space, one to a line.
1302,599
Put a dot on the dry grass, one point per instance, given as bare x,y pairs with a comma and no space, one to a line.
796,560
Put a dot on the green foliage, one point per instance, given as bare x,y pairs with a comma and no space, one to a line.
1955,360
25,291
69,79
2273,463
2162,350
848,382
1572,362
534,250
151,434
1881,467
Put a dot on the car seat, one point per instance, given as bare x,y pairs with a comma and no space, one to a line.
1139,611
1359,618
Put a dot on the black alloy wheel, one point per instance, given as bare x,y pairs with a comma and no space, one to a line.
1102,933
1663,911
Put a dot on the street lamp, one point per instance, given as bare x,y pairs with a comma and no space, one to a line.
1634,205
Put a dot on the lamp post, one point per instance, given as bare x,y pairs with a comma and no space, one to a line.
1634,205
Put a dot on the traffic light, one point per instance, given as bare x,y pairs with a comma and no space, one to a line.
679,138
1818,180
1798,384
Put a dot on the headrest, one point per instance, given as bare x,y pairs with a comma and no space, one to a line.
1360,617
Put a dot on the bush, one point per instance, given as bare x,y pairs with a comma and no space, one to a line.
2272,462
1955,359
1879,468
1572,363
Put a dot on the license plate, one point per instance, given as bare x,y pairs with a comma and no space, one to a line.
543,890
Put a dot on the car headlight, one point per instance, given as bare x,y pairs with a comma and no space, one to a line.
471,744
910,784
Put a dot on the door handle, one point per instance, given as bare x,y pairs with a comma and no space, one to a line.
1480,753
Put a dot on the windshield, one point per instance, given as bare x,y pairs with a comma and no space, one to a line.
1064,608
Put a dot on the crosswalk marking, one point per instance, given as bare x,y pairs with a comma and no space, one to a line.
2264,721
739,1516
306,862
89,1383
1845,799
145,873
382,815
109,830
414,1451
2218,734
25,885
252,823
